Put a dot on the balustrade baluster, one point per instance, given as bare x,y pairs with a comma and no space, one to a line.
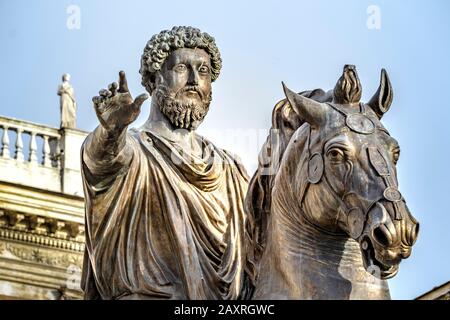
46,159
19,145
33,148
5,143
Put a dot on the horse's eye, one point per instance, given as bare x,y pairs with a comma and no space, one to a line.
336,154
396,156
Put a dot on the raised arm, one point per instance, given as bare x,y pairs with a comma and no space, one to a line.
106,150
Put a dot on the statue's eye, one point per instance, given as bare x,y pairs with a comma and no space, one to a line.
180,67
336,155
204,69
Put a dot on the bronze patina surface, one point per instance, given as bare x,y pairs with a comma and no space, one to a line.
164,206
326,219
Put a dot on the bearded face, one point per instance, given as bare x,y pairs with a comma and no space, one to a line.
182,108
183,88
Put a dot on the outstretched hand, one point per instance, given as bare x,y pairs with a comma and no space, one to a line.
115,107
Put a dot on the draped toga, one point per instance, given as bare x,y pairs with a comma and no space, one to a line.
168,225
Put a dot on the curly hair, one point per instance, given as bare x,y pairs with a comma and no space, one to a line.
162,44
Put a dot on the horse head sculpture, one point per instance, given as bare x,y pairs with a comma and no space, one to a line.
331,222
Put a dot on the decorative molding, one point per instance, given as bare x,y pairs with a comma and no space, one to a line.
44,231
42,240
41,256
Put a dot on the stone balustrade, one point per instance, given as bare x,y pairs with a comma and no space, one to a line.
40,156
50,138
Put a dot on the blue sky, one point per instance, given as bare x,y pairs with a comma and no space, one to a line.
304,43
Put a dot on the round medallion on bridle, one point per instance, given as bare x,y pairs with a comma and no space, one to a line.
315,168
355,221
360,123
392,194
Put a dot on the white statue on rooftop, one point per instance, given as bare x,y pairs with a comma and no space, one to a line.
68,105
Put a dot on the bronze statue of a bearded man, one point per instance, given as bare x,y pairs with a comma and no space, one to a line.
164,206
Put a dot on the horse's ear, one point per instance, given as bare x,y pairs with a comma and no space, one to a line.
382,99
307,109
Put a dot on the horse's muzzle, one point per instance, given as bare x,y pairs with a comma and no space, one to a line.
387,240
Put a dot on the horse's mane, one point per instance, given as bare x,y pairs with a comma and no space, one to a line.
285,123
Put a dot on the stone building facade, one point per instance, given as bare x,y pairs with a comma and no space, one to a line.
441,292
41,211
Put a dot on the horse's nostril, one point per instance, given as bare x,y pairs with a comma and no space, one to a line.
381,236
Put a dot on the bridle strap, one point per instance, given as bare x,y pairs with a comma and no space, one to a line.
386,176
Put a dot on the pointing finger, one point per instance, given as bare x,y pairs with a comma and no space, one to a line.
123,85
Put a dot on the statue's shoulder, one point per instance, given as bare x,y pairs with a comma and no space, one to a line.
233,156
225,154
139,137
144,142
235,161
